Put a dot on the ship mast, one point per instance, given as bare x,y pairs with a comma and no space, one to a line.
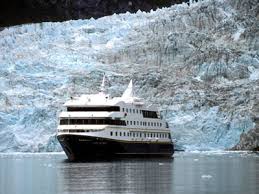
102,88
128,93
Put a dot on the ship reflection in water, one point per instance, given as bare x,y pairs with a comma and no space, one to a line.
220,172
121,176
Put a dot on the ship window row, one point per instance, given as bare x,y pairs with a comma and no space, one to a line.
134,111
149,114
92,122
94,109
146,113
144,123
77,130
141,134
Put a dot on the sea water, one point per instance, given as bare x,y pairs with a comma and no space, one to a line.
185,172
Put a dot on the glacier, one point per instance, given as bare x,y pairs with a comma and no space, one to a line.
199,62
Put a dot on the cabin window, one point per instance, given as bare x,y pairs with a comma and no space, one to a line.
111,133
126,110
151,124
92,122
154,124
149,114
116,133
148,124
133,134
134,122
63,122
130,110
137,111
130,122
94,109
133,110
127,122
120,133
137,122
124,134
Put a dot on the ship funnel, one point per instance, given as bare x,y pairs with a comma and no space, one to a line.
129,91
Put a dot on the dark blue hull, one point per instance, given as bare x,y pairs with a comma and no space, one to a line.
79,147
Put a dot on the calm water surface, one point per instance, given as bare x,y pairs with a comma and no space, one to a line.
200,172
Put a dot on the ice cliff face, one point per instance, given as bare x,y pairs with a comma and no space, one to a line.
200,63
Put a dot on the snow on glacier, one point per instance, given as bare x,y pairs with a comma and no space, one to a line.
191,60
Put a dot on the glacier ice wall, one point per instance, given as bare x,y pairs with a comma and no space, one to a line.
199,62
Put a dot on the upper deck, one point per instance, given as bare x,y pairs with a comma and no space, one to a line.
100,109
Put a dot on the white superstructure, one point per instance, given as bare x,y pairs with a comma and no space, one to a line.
126,118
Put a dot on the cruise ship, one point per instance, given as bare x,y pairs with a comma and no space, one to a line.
97,125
